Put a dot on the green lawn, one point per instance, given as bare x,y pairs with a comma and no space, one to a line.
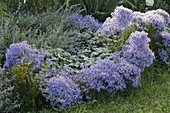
152,97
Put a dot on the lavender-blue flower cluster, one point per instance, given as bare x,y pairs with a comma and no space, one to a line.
86,22
19,51
129,71
163,54
157,18
126,66
63,92
101,77
121,18
136,50
166,38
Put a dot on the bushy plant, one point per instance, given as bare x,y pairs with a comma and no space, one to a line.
153,22
62,92
100,77
136,50
26,85
19,51
9,98
121,18
86,22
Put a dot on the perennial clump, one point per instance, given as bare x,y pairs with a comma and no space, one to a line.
62,92
19,51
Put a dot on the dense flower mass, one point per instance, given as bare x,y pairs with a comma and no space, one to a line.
166,38
129,71
121,18
62,92
87,22
19,51
102,77
163,54
157,18
161,13
136,50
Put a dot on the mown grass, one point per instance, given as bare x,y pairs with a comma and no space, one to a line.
152,97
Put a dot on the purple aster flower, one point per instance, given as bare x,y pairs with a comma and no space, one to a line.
87,22
136,50
166,38
163,54
62,92
121,18
19,51
101,77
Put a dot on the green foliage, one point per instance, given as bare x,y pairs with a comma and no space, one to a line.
100,9
52,28
8,35
25,83
33,6
9,98
140,5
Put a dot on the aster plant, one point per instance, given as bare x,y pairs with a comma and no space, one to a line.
136,50
86,22
62,92
121,18
19,51
100,77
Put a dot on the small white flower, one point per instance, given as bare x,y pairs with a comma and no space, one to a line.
24,1
149,2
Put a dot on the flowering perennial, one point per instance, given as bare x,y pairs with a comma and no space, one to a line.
62,92
129,71
17,52
121,18
87,22
163,54
102,77
136,50
166,38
